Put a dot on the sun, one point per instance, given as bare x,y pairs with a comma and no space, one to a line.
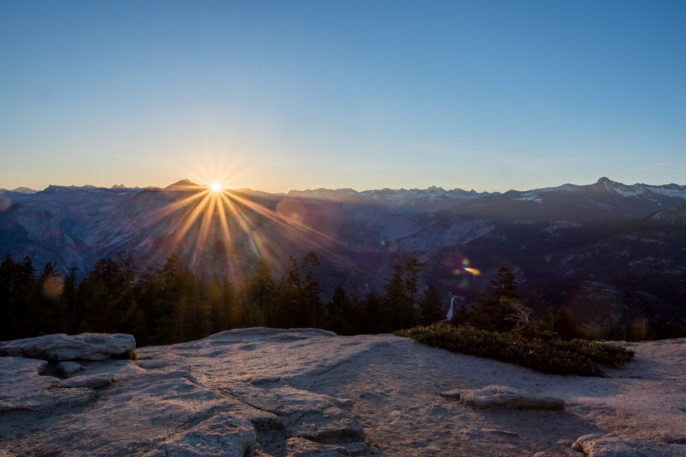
223,221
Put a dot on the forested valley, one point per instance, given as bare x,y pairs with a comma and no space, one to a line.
171,304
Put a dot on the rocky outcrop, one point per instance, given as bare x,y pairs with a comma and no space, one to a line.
306,393
58,347
22,388
503,397
610,445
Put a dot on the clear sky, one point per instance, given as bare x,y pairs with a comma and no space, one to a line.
282,95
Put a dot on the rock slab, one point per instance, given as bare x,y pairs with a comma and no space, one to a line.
609,445
308,393
60,347
503,397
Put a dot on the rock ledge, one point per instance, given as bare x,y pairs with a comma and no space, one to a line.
503,397
59,347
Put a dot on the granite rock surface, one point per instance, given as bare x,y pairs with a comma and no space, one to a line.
59,347
306,392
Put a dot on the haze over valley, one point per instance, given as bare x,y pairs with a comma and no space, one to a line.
611,252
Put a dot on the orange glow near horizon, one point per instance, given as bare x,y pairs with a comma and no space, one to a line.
215,220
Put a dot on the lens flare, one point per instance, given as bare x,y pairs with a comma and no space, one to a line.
293,209
216,187
52,287
457,263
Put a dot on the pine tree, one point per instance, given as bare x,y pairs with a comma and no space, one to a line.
68,301
413,270
185,315
289,307
336,308
257,297
487,314
461,316
312,294
397,304
504,283
430,307
229,305
107,295
373,319
501,311
214,294
17,285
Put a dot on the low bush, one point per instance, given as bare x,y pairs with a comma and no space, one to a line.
604,353
577,357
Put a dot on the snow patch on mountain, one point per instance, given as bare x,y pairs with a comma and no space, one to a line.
324,194
670,190
605,185
432,194
532,196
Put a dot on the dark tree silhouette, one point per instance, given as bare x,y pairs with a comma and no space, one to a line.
312,294
430,307
336,310
504,283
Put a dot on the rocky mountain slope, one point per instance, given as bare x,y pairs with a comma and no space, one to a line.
288,393
610,251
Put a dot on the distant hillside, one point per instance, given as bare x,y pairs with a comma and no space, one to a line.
608,250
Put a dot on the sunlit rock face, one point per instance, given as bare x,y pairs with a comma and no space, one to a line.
306,392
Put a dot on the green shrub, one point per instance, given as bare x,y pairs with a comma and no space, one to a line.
578,357
604,353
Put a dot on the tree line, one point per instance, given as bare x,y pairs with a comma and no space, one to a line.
171,304
503,310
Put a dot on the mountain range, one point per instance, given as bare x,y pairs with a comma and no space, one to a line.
609,251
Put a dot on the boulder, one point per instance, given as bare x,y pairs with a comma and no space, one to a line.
503,397
59,347
600,445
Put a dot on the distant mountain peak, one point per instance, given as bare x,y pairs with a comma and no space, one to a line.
607,183
24,190
184,184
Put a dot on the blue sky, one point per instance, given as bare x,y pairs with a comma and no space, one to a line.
490,95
